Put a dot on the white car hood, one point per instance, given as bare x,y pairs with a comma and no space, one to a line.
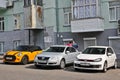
49,54
89,56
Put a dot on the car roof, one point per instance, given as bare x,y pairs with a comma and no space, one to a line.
98,46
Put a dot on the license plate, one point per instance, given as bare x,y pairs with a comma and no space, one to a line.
42,61
9,58
85,64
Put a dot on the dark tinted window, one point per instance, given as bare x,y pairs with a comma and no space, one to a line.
94,51
55,49
109,50
71,49
28,48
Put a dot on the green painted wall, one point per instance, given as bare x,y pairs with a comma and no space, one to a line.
9,18
105,14
50,18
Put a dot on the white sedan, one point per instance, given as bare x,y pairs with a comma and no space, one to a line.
96,58
56,55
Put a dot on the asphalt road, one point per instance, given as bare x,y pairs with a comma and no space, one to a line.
29,72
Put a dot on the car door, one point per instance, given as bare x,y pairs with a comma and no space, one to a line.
70,55
111,57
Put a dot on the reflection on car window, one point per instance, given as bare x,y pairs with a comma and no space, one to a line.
55,49
94,51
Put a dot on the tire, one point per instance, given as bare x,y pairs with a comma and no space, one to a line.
115,65
24,60
76,69
105,67
62,64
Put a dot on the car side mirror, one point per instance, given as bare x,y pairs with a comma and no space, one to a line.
109,54
67,52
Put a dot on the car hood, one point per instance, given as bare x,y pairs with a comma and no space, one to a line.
89,56
49,54
13,52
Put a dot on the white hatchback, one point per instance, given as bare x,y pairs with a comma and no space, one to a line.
96,58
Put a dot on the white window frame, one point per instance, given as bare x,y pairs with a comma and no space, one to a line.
69,16
16,43
2,47
87,39
115,11
2,24
76,8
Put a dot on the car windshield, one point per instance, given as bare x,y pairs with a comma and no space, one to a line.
94,51
55,49
28,48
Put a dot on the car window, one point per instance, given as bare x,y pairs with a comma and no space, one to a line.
22,48
55,49
94,51
35,48
27,48
71,49
109,50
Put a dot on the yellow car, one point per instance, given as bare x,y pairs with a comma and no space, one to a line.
22,54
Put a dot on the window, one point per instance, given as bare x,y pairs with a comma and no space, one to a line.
114,10
67,16
85,9
38,2
17,21
1,47
16,43
109,50
27,3
1,23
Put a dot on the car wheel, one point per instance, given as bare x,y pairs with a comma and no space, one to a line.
115,64
24,60
105,67
76,69
62,64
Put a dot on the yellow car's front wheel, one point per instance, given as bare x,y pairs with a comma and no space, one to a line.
24,60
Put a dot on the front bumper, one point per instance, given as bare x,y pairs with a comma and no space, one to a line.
46,63
88,65
11,59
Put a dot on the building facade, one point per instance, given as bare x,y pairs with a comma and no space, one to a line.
20,24
87,22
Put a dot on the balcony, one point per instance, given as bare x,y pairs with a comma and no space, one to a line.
3,4
87,25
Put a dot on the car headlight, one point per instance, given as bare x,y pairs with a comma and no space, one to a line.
53,59
98,60
19,54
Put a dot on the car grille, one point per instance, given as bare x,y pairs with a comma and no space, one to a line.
43,58
9,57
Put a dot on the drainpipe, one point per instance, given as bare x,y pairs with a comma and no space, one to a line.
57,21
33,13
